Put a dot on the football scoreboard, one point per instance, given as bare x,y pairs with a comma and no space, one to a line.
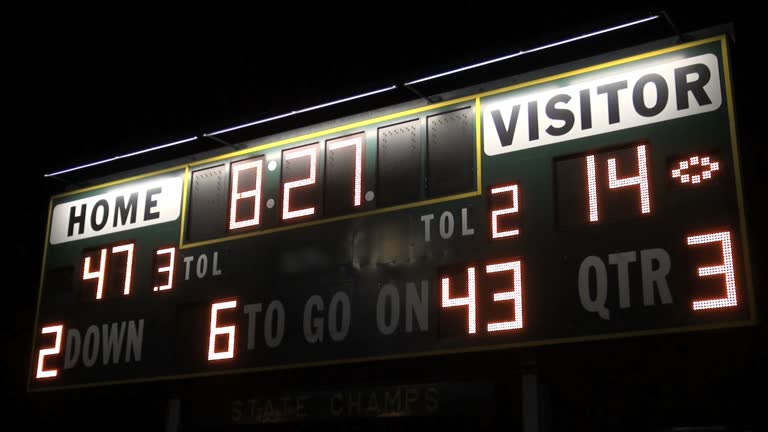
598,203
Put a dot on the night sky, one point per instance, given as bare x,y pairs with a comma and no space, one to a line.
89,88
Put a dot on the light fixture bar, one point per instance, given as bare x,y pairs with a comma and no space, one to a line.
359,96
303,110
543,47
114,158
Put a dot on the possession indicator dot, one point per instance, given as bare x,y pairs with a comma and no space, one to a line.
695,169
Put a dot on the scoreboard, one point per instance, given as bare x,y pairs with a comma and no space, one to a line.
601,202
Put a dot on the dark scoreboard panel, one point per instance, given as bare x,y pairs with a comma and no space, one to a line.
601,202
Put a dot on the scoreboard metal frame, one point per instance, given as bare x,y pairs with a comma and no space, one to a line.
452,305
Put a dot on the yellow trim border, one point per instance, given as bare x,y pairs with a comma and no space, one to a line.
39,297
722,39
477,192
737,177
410,112
184,199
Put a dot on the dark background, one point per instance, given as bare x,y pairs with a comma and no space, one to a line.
87,84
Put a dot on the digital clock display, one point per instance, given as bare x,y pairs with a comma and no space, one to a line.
601,202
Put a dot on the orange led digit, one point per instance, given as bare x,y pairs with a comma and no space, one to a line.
253,194
469,301
128,249
167,269
516,295
592,188
311,152
495,233
99,274
56,349
641,179
226,330
358,143
725,269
